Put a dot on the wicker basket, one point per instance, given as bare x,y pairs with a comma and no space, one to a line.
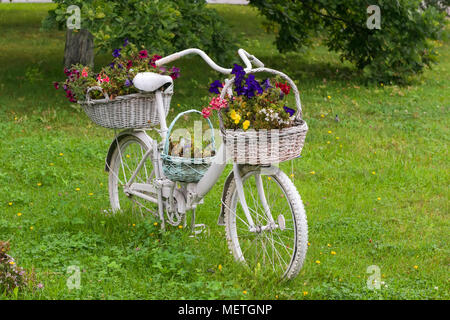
265,147
184,169
130,111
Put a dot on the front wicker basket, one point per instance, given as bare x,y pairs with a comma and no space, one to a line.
125,112
264,147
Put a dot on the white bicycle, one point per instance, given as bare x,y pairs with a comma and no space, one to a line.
261,209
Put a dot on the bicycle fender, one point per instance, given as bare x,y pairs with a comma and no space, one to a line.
130,132
221,220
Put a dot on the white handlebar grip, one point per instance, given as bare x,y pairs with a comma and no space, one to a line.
167,59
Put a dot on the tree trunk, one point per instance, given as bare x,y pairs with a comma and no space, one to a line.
79,48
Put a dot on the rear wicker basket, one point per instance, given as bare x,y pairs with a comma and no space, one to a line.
130,111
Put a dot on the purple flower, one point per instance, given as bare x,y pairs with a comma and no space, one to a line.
111,65
125,42
252,86
266,84
175,73
289,110
214,87
239,73
128,83
40,285
116,52
120,66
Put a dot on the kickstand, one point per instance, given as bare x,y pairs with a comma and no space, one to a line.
196,228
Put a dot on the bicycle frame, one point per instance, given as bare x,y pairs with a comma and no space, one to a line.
191,194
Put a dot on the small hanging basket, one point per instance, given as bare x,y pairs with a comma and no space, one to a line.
185,169
265,147
131,111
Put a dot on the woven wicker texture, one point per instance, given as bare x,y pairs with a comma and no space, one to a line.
185,169
130,111
265,146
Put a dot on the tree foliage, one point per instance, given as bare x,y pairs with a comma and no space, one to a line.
405,44
164,26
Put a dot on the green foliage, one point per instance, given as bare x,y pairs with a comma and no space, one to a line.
405,44
164,26
12,277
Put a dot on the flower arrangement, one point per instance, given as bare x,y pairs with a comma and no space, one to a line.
11,276
255,105
115,79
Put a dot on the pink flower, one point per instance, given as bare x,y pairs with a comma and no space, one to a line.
217,103
84,73
40,285
206,112
143,54
106,79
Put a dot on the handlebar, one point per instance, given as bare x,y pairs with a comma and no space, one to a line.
245,56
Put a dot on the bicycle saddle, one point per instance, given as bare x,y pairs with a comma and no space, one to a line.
150,81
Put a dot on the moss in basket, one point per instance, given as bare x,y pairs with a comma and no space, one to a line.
116,78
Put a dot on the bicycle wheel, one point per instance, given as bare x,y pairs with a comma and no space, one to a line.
124,162
279,241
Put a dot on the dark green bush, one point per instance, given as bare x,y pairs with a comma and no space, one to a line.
405,44
163,26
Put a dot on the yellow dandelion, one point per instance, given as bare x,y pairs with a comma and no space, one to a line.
155,224
328,142
31,228
329,131
178,105
52,164
318,261
322,115
134,225
61,154
416,267
39,184
180,227
19,214
90,194
77,189
373,172
329,245
313,172
128,156
219,267
378,198
337,138
340,145
10,203
276,297
381,84
269,178
244,292
292,175
12,263
309,243
305,293
333,252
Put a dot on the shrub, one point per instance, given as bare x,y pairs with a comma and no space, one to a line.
403,46
164,26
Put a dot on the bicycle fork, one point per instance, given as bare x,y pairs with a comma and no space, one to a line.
262,197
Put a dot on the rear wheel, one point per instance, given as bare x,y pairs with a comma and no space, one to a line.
278,243
124,162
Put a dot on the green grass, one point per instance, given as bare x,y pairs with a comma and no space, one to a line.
391,145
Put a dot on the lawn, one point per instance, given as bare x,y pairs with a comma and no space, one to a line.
375,184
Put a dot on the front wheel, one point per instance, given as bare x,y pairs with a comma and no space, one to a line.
278,240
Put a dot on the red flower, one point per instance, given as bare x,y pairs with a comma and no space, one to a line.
206,112
129,64
143,54
284,87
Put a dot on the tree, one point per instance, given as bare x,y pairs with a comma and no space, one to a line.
405,44
164,26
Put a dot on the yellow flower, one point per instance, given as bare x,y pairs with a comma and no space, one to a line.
219,267
317,261
329,131
90,194
337,138
155,224
329,245
416,267
309,243
10,203
11,262
128,156
52,164
61,154
39,184
322,115
269,178
328,142
134,225
245,124
313,172
378,198
305,293
237,119
233,114
244,292
373,172
333,252
31,228
19,214
329,97
276,296
292,175
180,227
77,189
